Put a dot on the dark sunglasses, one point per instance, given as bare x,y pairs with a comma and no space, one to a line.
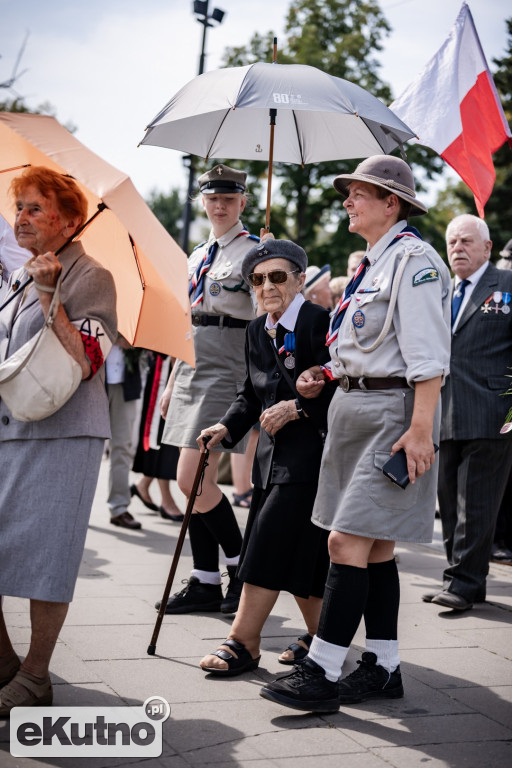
276,277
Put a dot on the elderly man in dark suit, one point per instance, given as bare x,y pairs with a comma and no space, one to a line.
475,459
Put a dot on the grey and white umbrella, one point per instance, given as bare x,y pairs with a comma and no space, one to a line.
314,117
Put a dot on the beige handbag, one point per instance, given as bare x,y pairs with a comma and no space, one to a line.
41,375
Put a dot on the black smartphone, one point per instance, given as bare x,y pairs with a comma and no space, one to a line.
396,468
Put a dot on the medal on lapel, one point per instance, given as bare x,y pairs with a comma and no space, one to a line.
289,348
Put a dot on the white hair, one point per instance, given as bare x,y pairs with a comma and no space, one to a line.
481,226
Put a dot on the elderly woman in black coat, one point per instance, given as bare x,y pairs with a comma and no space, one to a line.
282,549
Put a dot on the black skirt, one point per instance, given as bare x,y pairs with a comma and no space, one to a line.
282,549
158,462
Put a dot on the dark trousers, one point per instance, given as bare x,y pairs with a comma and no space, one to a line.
472,479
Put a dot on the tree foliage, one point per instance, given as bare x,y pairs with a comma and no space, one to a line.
342,38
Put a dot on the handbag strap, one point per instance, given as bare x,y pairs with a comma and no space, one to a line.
284,371
52,313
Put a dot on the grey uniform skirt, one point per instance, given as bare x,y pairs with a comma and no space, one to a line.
354,496
202,395
46,495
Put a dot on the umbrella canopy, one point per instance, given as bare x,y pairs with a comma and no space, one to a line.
149,268
225,114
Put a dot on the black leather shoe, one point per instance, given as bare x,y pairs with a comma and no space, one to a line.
134,491
370,681
452,600
195,596
233,592
306,689
179,518
126,520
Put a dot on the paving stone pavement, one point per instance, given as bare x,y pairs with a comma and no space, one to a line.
457,668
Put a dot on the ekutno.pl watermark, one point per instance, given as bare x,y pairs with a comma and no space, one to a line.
89,731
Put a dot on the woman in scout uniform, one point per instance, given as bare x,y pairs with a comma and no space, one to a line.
282,549
222,306
389,342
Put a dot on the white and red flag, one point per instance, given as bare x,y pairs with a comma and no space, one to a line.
454,108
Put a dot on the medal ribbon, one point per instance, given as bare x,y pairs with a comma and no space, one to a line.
339,312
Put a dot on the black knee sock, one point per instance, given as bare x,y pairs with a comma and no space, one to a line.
344,601
222,525
381,612
205,549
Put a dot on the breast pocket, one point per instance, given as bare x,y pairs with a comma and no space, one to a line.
387,494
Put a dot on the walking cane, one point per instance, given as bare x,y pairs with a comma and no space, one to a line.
203,463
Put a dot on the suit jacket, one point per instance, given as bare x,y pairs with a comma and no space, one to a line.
88,291
294,453
480,359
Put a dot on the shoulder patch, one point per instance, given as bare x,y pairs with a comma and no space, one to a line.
427,275
199,245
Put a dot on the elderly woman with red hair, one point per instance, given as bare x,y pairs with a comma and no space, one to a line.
50,467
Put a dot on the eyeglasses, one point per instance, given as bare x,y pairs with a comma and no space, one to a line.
276,277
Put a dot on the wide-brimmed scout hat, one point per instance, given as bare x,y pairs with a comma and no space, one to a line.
222,179
314,274
390,173
274,249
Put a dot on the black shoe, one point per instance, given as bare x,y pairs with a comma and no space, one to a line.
370,681
306,689
452,600
134,491
195,596
234,590
177,518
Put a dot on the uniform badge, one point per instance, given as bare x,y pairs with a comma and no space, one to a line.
358,319
290,362
215,289
221,271
427,275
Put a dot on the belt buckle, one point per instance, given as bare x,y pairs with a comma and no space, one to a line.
196,320
345,383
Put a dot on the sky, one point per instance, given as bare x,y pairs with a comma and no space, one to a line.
109,66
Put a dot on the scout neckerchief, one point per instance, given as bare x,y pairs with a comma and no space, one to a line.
196,284
339,312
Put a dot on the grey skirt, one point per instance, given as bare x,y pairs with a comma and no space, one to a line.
202,395
354,496
46,495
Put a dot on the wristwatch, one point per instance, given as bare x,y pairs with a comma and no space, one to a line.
298,406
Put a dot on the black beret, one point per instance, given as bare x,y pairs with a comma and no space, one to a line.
274,249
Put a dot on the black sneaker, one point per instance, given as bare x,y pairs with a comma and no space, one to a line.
233,592
195,596
306,688
370,681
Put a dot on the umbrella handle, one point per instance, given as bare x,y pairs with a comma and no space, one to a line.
272,115
201,469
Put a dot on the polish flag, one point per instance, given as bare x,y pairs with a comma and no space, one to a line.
454,108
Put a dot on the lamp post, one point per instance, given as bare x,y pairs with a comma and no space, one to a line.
200,9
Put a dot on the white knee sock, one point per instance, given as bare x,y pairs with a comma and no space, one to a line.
329,656
207,577
386,652
232,560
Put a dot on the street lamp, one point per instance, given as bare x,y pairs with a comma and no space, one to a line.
200,8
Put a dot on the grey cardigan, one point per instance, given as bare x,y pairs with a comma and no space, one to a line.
88,292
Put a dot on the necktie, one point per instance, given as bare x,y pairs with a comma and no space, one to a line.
458,298
195,286
345,299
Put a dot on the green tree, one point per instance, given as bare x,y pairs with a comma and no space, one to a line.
342,38
498,211
168,208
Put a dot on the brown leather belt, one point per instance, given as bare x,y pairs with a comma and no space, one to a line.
351,382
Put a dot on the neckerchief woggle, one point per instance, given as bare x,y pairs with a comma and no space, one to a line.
339,313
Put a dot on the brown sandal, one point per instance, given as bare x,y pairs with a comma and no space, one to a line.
8,669
25,690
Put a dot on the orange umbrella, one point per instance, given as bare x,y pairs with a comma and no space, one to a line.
149,268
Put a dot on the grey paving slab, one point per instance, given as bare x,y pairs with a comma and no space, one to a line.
495,703
434,729
496,638
453,668
472,754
